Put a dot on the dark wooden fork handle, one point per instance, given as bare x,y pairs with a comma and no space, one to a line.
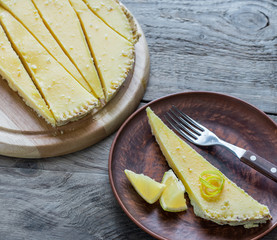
260,164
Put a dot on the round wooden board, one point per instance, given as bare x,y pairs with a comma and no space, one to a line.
23,134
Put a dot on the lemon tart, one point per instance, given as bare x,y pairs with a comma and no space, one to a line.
18,79
115,16
231,206
113,54
66,98
26,13
63,23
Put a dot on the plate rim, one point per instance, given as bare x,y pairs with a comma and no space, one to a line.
140,225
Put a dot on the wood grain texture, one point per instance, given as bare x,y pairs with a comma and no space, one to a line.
193,46
23,134
39,204
222,46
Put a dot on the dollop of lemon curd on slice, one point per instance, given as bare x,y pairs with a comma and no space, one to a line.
146,187
172,198
232,206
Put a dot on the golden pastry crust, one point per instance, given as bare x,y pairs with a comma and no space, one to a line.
77,113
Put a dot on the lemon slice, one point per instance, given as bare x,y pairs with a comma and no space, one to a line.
146,187
172,199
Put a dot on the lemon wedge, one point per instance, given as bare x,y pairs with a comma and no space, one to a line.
172,199
146,187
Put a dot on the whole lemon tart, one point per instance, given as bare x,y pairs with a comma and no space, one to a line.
74,59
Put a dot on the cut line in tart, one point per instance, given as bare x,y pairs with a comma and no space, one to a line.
63,23
26,13
115,16
18,79
113,54
232,206
66,98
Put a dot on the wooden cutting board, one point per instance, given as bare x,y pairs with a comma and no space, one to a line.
23,134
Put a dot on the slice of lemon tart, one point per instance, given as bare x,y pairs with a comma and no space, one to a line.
66,98
18,79
231,205
26,13
115,16
113,54
63,23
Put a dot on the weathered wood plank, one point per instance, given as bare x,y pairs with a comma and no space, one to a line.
222,46
93,160
39,204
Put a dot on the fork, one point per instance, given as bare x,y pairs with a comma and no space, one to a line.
200,135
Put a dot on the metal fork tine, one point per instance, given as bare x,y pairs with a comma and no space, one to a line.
189,119
185,122
182,129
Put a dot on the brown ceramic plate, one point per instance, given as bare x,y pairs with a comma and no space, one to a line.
231,119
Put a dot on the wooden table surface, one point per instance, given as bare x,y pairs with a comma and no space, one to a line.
228,47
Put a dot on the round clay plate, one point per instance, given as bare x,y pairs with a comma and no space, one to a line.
231,119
